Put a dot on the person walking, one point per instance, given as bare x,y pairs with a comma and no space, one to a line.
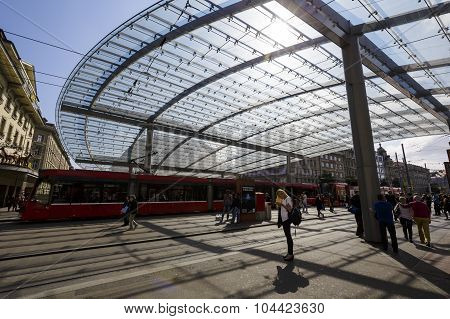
133,210
405,218
319,206
385,217
125,211
331,197
227,201
355,208
305,203
422,217
285,205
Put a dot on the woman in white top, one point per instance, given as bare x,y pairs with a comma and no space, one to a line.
285,206
406,214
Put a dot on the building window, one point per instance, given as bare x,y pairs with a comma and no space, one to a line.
37,151
8,105
27,149
36,165
40,138
16,135
8,136
21,141
14,115
2,127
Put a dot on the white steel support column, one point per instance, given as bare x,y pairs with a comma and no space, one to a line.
358,107
148,148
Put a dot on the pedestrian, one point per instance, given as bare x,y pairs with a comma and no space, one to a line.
319,206
9,202
405,218
305,203
331,197
385,217
446,206
133,211
355,208
125,211
428,201
390,198
227,201
422,217
285,207
236,209
437,204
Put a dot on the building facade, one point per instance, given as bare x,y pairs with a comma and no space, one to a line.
19,117
47,151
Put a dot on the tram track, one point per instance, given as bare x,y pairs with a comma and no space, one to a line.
136,242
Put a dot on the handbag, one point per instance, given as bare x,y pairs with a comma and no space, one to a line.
124,210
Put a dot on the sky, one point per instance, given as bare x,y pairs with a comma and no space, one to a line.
79,25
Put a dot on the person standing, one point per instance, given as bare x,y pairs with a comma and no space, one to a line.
383,213
286,205
355,207
422,217
405,218
446,206
390,198
227,201
437,204
236,209
133,210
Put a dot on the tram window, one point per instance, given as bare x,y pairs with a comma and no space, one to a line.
199,193
175,194
114,193
91,193
61,193
43,193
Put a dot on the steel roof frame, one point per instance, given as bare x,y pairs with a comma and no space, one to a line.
323,19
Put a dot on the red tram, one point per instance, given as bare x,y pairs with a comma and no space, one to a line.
82,194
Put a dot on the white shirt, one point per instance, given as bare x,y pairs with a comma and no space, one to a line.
284,213
305,199
405,211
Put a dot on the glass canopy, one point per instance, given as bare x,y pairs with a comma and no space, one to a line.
229,87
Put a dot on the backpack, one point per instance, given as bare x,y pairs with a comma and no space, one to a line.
296,216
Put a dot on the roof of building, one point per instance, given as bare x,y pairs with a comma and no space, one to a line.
236,86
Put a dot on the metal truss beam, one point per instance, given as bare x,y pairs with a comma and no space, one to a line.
168,168
176,33
400,19
250,63
176,130
332,25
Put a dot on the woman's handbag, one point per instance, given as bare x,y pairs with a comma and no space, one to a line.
124,210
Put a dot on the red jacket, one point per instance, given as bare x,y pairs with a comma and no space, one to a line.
420,210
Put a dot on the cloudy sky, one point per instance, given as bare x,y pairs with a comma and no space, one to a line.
74,25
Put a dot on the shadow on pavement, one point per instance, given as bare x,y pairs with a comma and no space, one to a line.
289,279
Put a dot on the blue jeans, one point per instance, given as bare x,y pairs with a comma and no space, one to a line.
226,209
236,214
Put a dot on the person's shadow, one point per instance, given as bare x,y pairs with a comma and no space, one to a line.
288,280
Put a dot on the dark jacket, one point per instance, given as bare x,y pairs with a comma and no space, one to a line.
133,207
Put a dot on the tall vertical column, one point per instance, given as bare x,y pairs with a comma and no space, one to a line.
148,148
210,198
358,107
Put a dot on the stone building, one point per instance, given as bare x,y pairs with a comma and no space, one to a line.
19,116
47,150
